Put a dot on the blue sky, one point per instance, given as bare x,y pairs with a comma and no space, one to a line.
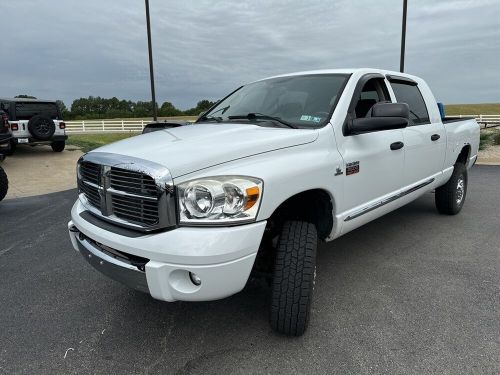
204,49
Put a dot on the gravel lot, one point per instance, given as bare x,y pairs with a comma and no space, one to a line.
413,292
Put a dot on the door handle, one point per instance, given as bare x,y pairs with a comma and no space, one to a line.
435,137
397,145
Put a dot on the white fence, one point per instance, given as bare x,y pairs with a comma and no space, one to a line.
486,121
120,126
105,126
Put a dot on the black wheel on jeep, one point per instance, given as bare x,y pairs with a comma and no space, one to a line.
58,146
4,184
41,127
293,277
450,197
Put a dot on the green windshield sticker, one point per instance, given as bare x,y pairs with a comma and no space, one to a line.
310,118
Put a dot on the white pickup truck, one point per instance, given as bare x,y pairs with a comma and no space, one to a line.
279,164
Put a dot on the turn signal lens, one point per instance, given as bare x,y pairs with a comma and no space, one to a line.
252,197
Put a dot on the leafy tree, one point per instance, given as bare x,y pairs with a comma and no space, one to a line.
24,96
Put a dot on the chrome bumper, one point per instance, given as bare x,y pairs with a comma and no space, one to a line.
120,271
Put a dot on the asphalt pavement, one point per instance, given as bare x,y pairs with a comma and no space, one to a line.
413,292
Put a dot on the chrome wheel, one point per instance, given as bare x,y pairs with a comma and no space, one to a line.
460,190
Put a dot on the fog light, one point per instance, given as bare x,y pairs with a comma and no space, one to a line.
195,279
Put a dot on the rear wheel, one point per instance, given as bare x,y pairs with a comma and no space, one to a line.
450,197
58,146
293,277
4,184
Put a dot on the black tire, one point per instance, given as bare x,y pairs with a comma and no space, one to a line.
450,197
11,149
293,278
58,146
4,184
41,127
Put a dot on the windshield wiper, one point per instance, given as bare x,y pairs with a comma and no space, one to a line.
257,116
212,117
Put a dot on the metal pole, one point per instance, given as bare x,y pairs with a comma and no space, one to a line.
403,38
151,75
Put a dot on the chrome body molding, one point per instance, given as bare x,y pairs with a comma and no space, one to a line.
128,205
385,201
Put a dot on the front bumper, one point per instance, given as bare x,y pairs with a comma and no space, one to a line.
221,257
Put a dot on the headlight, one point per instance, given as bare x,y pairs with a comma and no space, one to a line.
219,200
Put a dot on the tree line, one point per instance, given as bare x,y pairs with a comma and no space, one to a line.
95,107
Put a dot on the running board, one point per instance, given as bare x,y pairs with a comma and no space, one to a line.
387,200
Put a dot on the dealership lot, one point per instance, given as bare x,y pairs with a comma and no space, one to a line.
412,292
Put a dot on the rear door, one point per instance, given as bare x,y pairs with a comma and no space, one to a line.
425,140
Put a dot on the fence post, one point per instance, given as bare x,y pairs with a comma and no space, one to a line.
142,124
83,125
123,126
102,125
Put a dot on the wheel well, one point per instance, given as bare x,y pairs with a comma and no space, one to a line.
463,157
314,206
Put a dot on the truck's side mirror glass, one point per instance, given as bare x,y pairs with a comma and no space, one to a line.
382,116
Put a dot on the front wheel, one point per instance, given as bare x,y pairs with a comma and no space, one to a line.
58,146
450,197
4,184
293,277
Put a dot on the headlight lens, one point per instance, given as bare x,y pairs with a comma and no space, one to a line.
219,200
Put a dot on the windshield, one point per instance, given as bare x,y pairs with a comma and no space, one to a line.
303,101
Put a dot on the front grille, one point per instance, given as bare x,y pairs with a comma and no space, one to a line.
138,210
129,196
90,172
132,182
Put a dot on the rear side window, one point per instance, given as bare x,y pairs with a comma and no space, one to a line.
410,94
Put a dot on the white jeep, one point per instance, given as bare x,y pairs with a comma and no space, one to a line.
34,122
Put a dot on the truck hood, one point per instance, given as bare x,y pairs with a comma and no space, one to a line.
193,147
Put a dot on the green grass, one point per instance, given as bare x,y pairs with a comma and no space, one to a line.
472,109
88,142
489,137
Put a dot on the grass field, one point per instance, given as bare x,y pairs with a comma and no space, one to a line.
88,142
472,109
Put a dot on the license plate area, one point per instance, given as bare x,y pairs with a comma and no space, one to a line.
23,140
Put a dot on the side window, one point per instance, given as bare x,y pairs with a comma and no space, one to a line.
410,94
374,91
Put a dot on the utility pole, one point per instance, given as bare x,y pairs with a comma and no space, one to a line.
403,38
151,75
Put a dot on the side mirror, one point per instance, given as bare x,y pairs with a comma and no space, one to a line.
382,116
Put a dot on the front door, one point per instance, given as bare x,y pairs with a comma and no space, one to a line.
372,171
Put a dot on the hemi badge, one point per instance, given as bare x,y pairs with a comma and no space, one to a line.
352,168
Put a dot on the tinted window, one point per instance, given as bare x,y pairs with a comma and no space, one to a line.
305,101
411,95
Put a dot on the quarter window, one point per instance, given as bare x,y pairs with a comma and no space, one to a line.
410,94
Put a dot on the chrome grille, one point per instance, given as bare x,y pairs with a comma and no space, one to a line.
90,172
132,182
135,209
127,191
